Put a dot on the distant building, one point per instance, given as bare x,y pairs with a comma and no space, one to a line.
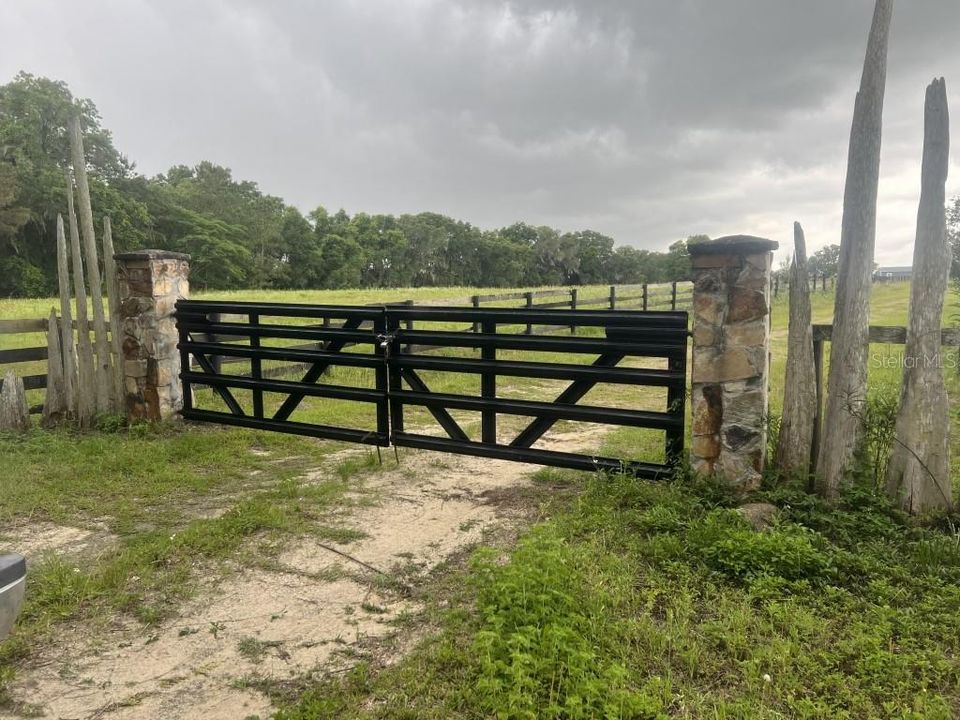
892,274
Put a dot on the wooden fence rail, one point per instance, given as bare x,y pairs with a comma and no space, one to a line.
37,353
816,282
879,334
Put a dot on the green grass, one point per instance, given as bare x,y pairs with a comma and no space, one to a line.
651,601
168,499
148,574
645,600
168,505
141,477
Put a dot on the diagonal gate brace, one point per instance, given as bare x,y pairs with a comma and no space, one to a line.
228,399
314,373
574,392
440,414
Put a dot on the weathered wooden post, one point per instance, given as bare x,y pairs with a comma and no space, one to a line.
731,333
847,382
113,303
573,306
150,283
67,346
408,325
800,392
86,374
14,415
55,405
105,401
528,296
918,476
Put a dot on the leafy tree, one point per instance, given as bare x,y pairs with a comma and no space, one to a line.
217,258
825,261
34,113
595,254
342,260
555,257
629,265
427,234
12,215
209,190
302,263
679,258
19,278
384,248
502,261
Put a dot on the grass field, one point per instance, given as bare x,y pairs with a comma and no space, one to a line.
633,600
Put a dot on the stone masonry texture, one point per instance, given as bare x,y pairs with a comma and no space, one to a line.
151,282
731,333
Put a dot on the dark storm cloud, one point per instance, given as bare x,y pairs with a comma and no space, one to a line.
648,120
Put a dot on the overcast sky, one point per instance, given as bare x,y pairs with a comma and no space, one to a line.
648,120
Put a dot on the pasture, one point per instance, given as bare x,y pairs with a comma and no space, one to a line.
649,600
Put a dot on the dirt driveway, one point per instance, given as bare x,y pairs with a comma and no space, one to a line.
318,607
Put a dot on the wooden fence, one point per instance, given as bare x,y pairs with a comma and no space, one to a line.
661,296
35,354
819,281
879,334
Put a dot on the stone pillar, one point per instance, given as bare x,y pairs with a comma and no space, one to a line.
731,334
150,283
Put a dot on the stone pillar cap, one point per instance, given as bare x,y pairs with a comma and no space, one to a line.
733,245
151,255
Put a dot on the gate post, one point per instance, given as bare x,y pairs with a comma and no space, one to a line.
731,360
151,282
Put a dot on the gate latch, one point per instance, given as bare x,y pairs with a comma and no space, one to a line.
385,340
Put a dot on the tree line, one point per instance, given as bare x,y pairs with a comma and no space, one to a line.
241,237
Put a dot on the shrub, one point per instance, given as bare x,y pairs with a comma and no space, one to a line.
19,278
880,422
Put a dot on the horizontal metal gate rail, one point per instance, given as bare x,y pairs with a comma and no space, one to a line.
198,319
386,341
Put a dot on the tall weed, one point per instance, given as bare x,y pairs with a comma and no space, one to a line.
880,423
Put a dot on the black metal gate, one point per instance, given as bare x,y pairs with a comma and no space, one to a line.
395,350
